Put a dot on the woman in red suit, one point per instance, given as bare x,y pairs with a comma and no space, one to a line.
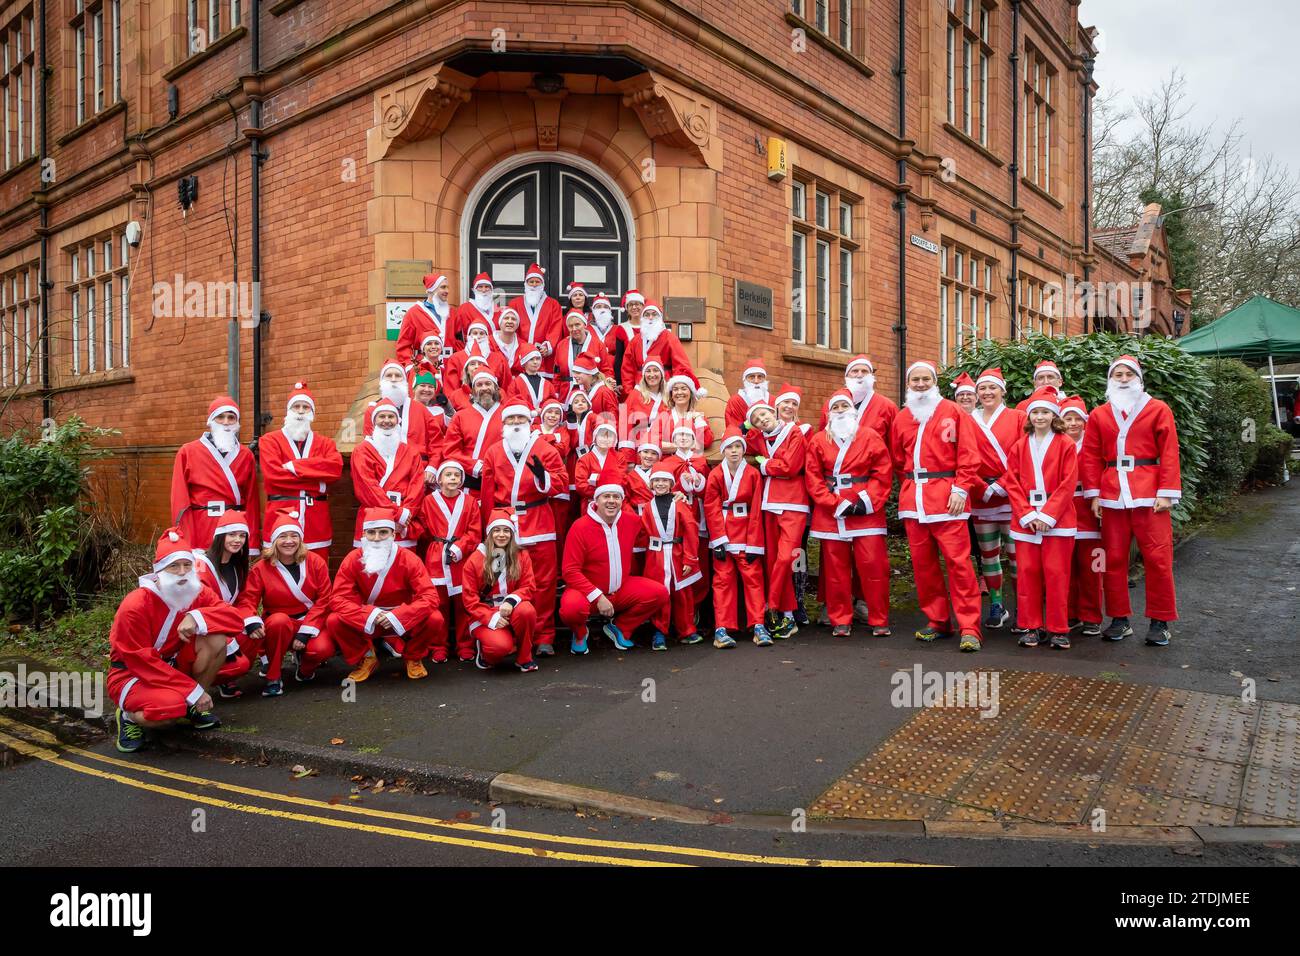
223,567
550,425
498,593
646,402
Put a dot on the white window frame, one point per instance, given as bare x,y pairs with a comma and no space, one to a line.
798,287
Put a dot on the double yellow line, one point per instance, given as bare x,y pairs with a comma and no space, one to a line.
34,742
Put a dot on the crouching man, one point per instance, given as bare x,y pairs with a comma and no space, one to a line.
169,610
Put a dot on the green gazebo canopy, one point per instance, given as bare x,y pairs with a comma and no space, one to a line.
1253,332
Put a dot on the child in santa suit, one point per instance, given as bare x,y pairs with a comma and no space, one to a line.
1042,472
498,595
381,593
529,387
550,427
298,465
223,568
671,556
999,427
212,474
733,508
1132,477
779,451
450,519
388,473
593,463
291,586
589,379
648,456
1089,554
849,475
692,470
170,610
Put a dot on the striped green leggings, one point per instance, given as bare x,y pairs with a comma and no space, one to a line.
992,537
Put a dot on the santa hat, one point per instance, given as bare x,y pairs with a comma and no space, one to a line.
963,383
392,363
663,473
755,366
1076,404
1127,360
533,353
839,393
749,415
687,377
551,403
611,476
478,324
378,518
732,434
586,364
299,393
516,409
535,270
1044,397
652,306
507,311
649,446
922,363
501,518
483,373
383,405
172,547
426,378
450,464
229,521
432,281
789,393
993,375
683,430
859,360
431,337
604,427
1046,365
648,363
600,300
574,287
285,522
479,279
632,295
574,312
222,403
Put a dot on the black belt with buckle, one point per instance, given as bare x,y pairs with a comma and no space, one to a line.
521,508
836,482
1136,462
925,475
296,497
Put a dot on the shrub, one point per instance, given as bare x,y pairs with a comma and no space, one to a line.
1239,406
1274,449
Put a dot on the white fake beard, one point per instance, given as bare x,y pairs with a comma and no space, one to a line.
603,318
922,404
843,426
386,440
860,388
483,301
478,347
754,393
225,437
533,297
179,591
298,427
1124,397
396,392
651,329
516,438
375,554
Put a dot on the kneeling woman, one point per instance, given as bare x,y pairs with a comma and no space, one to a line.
223,567
292,586
497,582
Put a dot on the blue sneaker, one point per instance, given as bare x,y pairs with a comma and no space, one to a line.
721,639
130,735
997,616
660,643
692,638
614,634
578,645
761,636
274,688
1158,634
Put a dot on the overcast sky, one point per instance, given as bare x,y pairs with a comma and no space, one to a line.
1239,59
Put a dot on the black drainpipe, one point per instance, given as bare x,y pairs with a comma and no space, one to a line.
901,203
47,403
1090,313
255,175
1017,91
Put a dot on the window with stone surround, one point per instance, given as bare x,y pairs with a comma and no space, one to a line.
20,311
1038,120
969,59
1037,308
99,336
97,56
822,264
208,21
832,21
966,296
18,58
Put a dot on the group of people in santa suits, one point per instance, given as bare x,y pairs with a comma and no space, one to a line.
527,467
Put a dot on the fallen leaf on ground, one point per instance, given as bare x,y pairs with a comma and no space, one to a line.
337,740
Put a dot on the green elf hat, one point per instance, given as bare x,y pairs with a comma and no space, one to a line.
426,378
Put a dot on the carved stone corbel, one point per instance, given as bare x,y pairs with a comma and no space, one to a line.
419,106
546,112
674,115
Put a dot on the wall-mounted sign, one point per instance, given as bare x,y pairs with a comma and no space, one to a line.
923,243
684,308
776,161
405,277
396,312
753,305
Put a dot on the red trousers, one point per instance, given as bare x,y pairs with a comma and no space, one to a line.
783,533
678,611
726,595
449,605
952,540
280,630
545,567
1155,539
234,667
1085,580
496,644
869,555
1044,570
701,588
150,701
353,643
634,602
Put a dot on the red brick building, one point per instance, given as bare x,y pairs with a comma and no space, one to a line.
934,188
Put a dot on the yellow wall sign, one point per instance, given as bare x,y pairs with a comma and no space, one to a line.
776,165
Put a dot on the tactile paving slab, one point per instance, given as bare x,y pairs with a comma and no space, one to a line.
1063,748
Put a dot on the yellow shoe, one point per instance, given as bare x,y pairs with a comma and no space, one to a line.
416,670
364,669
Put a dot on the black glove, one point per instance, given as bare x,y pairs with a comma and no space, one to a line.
444,402
250,627
750,558
857,508
473,482
720,553
571,416
446,556
537,468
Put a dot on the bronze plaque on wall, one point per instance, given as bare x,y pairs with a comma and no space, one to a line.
679,308
753,305
404,278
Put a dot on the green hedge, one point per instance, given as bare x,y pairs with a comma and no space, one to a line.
1274,448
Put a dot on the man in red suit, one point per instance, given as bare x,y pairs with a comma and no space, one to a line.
580,341
431,315
652,340
474,428
541,321
1132,475
936,454
597,568
214,473
298,464
753,389
779,450
388,473
479,307
1046,375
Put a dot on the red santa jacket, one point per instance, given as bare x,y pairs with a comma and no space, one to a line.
1040,480
206,484
544,325
1130,462
472,430
598,556
945,443
511,352
586,473
737,411
569,351
874,411
837,475
295,477
672,547
644,417
420,427
396,484
560,440
449,521
465,315
509,483
783,484
485,593
733,508
666,347
995,440
213,581
143,639
418,322
401,587
604,403
273,587
670,420
1086,523
637,484
453,371
525,391
692,474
